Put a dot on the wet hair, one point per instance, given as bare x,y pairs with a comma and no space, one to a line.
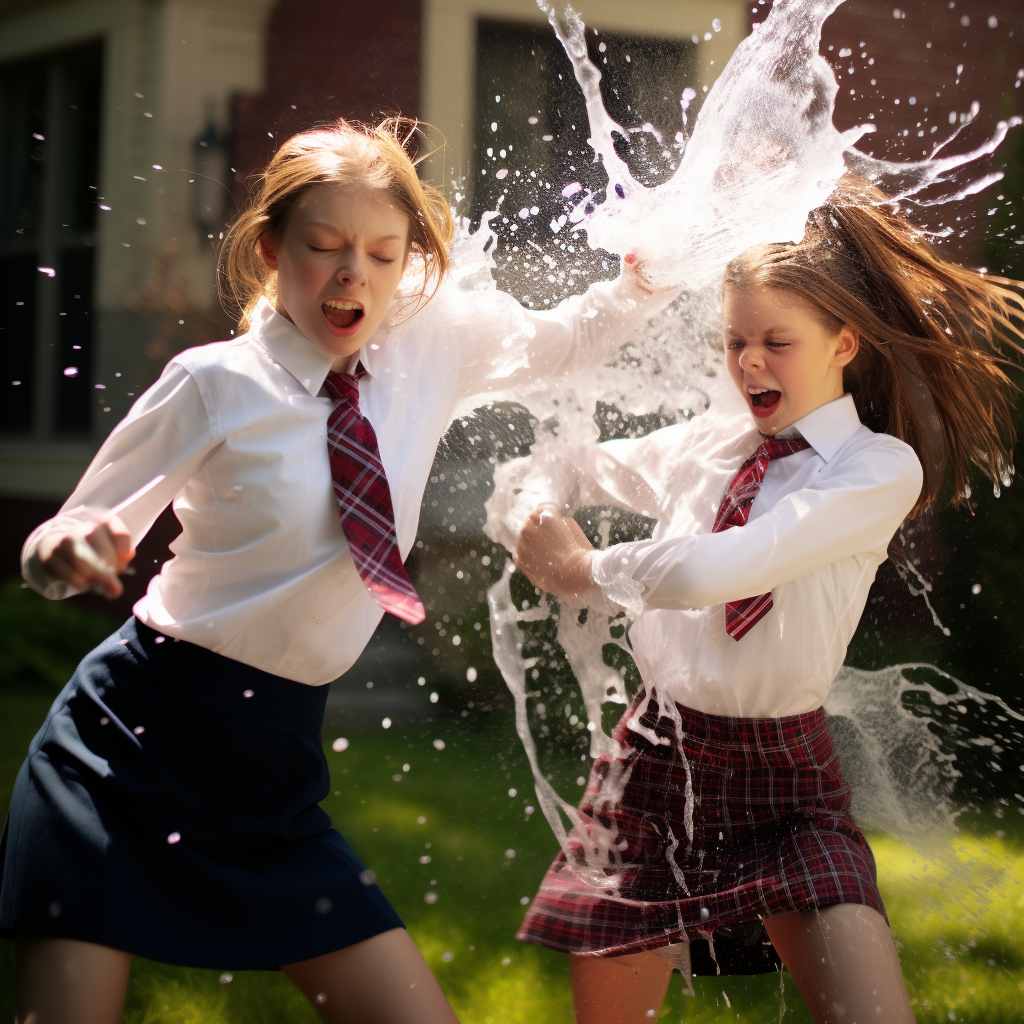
344,153
936,339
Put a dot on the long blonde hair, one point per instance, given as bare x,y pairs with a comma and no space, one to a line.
934,336
345,153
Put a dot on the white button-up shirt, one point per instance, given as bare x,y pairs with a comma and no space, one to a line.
817,532
238,429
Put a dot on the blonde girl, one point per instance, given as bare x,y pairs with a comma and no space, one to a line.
870,370
168,806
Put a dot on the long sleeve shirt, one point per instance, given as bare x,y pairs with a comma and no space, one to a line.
817,531
261,572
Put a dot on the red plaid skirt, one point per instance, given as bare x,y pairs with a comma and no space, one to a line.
771,835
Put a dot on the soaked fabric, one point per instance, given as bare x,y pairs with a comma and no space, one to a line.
169,807
771,835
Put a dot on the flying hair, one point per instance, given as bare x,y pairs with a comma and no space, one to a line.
348,153
936,339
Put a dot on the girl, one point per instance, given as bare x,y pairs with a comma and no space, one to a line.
168,805
866,364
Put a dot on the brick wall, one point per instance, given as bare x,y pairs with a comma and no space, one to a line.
906,67
326,59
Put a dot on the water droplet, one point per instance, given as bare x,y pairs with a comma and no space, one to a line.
367,877
386,723
320,998
704,913
104,720
425,859
447,957
226,979
433,698
471,674
139,730
70,371
524,901
510,854
505,962
174,837
247,694
512,792
324,905
716,25
430,897
339,745
421,820
976,589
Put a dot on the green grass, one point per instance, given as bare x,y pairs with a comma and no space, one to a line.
959,917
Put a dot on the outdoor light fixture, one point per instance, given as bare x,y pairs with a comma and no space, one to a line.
209,186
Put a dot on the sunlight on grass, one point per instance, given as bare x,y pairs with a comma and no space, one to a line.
959,918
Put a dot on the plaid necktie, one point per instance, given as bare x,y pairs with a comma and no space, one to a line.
364,501
740,616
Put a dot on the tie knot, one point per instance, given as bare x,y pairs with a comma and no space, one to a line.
778,447
344,385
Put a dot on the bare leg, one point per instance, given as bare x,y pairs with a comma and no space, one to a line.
63,981
619,990
383,980
844,963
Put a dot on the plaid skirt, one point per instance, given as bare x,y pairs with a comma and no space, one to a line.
771,835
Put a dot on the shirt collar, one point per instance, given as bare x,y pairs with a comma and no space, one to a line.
288,346
827,428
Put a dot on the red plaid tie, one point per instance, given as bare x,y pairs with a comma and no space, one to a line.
740,616
364,501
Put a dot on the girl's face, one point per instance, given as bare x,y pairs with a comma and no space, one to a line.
339,259
784,363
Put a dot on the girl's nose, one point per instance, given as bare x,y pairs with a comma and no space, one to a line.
351,270
751,358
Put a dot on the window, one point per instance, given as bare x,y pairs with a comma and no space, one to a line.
49,148
530,116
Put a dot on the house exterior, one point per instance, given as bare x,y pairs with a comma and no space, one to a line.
130,129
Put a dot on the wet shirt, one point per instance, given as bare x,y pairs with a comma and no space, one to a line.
261,572
817,532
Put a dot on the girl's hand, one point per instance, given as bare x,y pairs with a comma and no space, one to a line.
555,554
633,268
89,556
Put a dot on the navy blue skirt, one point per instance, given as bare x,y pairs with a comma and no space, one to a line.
168,807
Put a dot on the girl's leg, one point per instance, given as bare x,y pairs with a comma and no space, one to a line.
63,981
383,980
619,990
844,963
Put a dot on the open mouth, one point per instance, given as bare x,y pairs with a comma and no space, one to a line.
763,401
343,315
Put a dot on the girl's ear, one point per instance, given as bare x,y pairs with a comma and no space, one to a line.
847,346
267,252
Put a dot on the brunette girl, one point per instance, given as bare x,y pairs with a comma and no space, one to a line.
169,804
869,367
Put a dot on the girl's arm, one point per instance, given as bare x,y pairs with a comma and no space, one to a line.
853,509
503,345
166,434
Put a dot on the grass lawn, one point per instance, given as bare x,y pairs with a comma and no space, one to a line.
959,917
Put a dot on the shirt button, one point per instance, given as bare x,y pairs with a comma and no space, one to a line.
337,576
287,664
317,619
